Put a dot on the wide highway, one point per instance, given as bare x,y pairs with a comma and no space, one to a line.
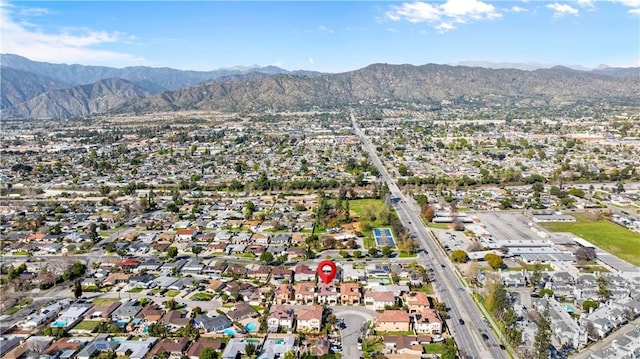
448,286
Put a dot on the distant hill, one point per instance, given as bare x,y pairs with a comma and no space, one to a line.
618,71
43,90
163,78
18,86
429,84
98,97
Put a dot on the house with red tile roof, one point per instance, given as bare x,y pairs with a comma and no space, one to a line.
350,294
310,319
393,321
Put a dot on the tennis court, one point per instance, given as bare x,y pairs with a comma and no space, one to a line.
384,237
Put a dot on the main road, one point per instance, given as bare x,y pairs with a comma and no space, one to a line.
448,286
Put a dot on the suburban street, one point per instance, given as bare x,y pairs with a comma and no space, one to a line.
448,286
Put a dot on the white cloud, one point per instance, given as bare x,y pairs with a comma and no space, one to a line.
586,3
391,29
633,4
562,9
518,9
325,29
278,63
443,16
312,61
67,45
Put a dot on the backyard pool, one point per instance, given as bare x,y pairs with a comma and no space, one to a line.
251,327
229,331
59,323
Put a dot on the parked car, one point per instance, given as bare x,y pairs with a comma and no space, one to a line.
461,321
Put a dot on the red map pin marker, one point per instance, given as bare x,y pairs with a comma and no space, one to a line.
327,277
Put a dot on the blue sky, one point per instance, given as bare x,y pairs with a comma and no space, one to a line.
332,36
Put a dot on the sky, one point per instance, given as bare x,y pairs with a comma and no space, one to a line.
328,36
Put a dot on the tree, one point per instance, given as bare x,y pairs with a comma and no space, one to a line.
499,300
267,257
459,256
542,339
250,349
587,305
494,260
357,254
77,289
386,251
208,353
290,355
536,276
373,251
603,289
172,252
196,250
585,254
171,304
343,253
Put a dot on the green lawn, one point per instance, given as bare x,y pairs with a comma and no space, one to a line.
607,235
104,301
171,293
202,296
407,255
12,310
438,225
359,205
89,325
136,290
434,348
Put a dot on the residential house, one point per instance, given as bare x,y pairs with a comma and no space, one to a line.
127,311
212,324
393,321
195,349
261,273
234,348
284,294
175,319
135,349
303,273
407,346
102,311
62,348
379,300
274,348
350,294
416,302
281,274
310,319
242,311
280,317
151,313
186,234
427,322
100,343
305,293
327,293
73,314
173,347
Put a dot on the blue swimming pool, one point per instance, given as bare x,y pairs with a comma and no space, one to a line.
59,323
251,327
229,331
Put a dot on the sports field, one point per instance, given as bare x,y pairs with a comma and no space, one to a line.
613,238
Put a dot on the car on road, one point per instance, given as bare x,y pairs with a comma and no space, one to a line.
461,321
359,346
485,336
502,347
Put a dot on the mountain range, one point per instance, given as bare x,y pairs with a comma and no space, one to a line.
33,89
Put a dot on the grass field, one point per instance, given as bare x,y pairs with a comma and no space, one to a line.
607,235
438,225
376,205
104,301
89,325
136,290
171,293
